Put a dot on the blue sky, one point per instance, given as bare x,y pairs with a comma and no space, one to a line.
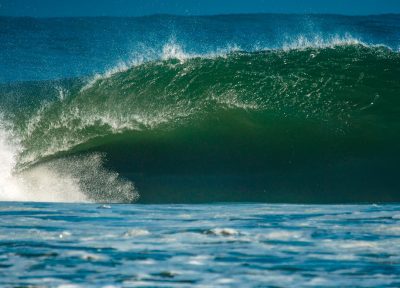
61,8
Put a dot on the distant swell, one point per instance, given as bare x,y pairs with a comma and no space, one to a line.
241,119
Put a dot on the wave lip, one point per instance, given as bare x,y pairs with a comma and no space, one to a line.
173,50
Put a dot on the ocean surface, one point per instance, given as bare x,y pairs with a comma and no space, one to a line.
213,245
149,151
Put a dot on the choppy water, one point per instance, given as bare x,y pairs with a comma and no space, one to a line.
241,245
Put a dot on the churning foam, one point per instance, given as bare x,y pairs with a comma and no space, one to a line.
75,179
37,184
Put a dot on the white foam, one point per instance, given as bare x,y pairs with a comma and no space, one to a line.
69,286
9,149
353,244
62,180
37,184
283,235
199,260
174,51
303,42
136,233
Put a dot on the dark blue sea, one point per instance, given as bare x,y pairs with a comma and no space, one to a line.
254,150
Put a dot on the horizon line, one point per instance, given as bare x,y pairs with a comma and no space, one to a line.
203,15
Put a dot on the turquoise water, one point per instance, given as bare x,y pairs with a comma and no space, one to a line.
219,245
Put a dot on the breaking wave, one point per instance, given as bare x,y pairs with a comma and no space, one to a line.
227,113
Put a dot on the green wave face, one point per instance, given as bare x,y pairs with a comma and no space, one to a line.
308,125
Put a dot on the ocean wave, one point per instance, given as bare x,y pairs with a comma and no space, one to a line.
228,113
312,83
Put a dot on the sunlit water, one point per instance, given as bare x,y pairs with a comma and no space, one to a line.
241,245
